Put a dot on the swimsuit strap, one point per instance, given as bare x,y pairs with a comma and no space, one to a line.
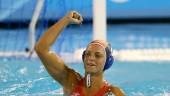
78,89
103,90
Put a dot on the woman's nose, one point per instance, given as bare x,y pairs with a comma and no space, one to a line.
91,57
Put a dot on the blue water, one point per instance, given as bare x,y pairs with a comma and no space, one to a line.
21,76
25,76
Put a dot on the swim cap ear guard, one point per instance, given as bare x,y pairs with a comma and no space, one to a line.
109,57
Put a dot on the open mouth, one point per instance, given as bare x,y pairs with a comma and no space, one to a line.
91,65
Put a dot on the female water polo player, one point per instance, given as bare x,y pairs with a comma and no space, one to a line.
97,58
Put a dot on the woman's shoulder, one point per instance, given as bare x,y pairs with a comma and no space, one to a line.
72,79
72,72
116,90
73,75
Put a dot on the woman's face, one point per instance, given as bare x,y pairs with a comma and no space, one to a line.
94,59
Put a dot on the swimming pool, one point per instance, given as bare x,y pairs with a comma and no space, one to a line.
23,76
27,77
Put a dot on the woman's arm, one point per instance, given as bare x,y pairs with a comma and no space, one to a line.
52,62
117,91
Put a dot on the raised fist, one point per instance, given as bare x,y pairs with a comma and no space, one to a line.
74,17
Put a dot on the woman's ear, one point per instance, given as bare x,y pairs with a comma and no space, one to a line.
83,55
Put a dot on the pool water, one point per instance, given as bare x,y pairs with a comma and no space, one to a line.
27,76
23,76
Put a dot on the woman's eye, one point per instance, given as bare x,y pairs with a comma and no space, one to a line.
98,56
87,54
